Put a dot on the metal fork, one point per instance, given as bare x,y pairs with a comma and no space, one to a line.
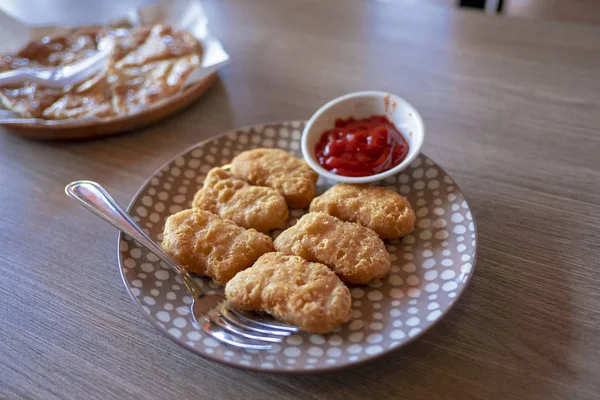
60,77
211,312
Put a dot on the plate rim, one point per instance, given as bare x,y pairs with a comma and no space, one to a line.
275,371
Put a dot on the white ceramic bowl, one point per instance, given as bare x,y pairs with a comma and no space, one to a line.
360,105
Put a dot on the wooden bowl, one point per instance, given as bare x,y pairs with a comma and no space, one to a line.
113,126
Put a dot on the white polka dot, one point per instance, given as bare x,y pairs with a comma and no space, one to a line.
149,300
396,293
142,211
447,262
147,267
397,334
334,352
180,322
136,253
372,350
135,291
409,267
354,349
375,295
356,337
137,283
356,324
335,340
357,293
424,223
163,316
431,287
414,331
376,326
425,235
413,280
429,263
193,335
449,286
459,229
294,340
442,234
439,223
413,292
210,342
457,217
448,274
433,184
434,315
438,211
395,280
423,211
175,332
433,305
315,351
161,274
409,239
171,296
430,275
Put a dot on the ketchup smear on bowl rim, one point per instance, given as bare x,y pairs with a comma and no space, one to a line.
361,147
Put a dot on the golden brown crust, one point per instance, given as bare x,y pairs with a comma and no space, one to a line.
205,244
258,207
278,169
308,295
355,253
381,209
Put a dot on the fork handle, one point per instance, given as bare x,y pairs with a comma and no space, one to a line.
96,199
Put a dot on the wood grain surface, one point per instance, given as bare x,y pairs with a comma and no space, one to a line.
512,113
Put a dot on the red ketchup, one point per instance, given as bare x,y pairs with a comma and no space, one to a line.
361,147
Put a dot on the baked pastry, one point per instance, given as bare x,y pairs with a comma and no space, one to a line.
258,207
205,244
381,209
146,64
306,294
355,253
278,169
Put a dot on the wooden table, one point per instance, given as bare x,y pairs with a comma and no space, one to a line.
512,112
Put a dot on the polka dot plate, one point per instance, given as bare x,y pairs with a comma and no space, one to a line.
430,267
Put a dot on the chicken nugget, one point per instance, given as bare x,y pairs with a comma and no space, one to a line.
306,294
205,244
278,169
258,207
381,209
351,250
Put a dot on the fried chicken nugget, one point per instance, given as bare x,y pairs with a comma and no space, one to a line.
355,253
308,295
278,169
258,207
381,209
205,244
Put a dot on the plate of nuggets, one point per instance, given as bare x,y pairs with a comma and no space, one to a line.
361,269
